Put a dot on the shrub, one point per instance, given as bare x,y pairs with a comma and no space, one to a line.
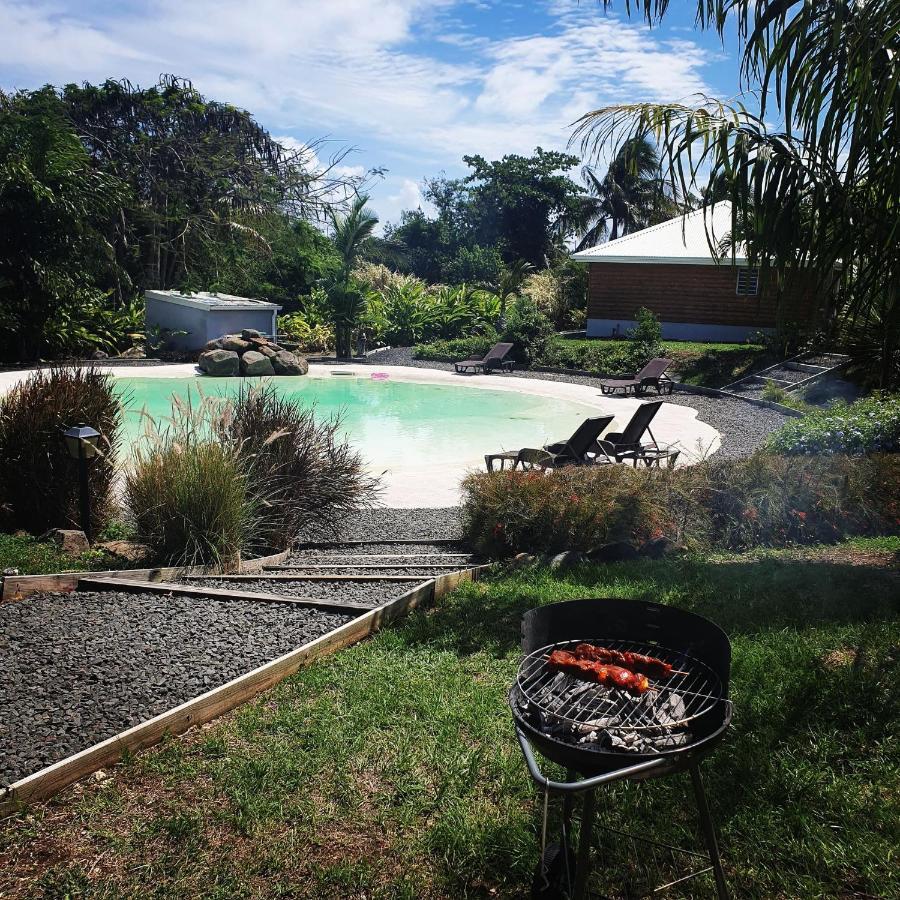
310,338
762,500
597,356
247,475
38,479
300,474
528,329
189,500
869,425
459,348
645,338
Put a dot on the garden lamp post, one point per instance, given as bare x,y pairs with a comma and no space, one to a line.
81,442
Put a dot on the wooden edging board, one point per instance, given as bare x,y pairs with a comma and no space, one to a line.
164,587
49,781
17,587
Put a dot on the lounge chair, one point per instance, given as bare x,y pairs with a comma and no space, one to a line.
627,444
652,375
582,443
576,451
495,358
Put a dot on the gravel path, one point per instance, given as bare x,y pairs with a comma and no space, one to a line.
441,523
78,668
424,553
743,426
372,593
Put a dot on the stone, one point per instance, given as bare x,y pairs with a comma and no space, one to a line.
215,344
258,342
233,342
133,353
566,560
266,351
248,333
125,550
70,540
286,363
617,551
220,363
255,364
659,547
99,354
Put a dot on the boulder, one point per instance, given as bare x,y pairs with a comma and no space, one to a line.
617,551
286,363
248,333
99,354
128,551
566,560
220,363
257,342
215,344
133,353
253,363
70,540
233,342
266,351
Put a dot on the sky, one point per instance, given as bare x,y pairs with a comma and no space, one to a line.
410,85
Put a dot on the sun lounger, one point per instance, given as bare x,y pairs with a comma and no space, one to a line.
583,441
629,443
495,358
652,375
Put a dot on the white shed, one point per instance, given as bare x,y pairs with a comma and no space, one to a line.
204,316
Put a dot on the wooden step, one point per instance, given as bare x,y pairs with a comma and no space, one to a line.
291,568
275,576
162,587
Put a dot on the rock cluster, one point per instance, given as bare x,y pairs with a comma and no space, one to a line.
249,354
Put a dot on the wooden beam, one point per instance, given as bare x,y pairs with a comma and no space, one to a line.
49,781
161,587
274,576
17,587
297,566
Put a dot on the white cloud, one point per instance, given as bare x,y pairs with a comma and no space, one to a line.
401,78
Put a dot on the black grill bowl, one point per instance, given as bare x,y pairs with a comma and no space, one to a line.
630,620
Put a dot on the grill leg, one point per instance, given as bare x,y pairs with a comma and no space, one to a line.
709,833
583,863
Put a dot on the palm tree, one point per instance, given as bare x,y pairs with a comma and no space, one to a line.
509,285
631,195
822,186
346,295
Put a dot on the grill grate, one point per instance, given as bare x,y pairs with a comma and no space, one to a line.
587,713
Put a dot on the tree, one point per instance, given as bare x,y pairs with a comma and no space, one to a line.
517,203
631,195
53,204
509,285
346,295
203,175
821,189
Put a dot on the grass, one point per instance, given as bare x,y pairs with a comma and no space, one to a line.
33,557
390,770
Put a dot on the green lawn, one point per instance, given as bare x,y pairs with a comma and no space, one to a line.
390,770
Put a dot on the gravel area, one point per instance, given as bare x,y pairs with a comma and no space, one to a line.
743,426
372,593
78,668
441,523
424,571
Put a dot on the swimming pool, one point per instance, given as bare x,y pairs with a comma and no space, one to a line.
402,429
422,430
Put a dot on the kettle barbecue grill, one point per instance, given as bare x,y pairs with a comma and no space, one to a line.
602,735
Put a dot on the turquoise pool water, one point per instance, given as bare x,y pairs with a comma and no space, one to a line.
397,425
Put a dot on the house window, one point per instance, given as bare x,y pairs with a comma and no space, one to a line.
747,282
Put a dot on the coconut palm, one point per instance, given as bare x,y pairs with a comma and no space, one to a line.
823,186
346,294
631,195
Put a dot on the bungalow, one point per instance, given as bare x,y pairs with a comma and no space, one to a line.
696,295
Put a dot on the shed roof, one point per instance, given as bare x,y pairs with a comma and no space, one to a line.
210,301
680,240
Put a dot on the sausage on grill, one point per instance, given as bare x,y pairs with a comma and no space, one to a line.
590,670
634,662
